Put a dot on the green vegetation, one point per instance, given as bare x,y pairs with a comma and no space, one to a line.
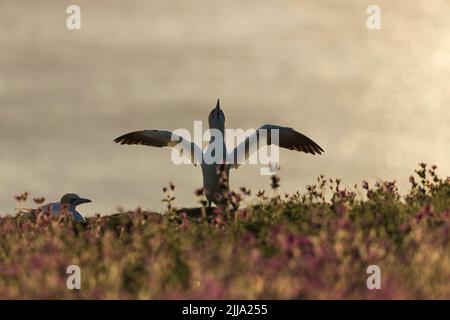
313,245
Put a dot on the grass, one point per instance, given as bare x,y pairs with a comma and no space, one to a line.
309,245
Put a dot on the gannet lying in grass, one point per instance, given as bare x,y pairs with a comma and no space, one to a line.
68,203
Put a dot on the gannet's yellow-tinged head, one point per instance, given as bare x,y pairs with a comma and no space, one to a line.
216,118
73,199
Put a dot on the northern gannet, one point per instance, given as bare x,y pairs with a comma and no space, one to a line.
215,175
68,203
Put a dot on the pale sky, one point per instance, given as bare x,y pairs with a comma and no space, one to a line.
377,101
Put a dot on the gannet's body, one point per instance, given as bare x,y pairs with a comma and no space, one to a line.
215,179
56,208
216,174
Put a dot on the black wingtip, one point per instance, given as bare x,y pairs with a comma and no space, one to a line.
120,139
320,150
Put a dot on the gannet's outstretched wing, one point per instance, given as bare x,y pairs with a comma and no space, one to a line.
288,139
162,138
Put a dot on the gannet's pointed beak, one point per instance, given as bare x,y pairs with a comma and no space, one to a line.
83,200
218,105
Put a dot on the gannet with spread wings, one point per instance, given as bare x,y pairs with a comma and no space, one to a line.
216,174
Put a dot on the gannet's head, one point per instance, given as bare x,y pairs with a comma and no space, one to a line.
216,118
73,199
